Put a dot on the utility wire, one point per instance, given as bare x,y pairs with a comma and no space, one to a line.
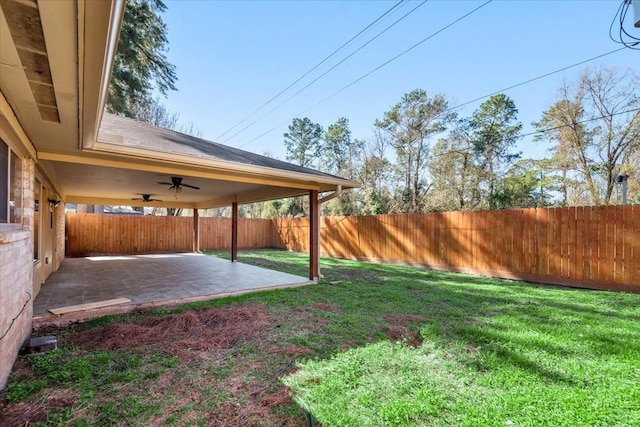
624,38
313,68
377,68
328,71
580,122
399,55
537,78
551,129
464,103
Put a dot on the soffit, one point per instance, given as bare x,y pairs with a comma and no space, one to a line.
38,69
117,186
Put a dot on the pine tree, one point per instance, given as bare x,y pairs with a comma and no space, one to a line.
140,64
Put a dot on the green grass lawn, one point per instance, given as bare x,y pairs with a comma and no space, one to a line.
371,345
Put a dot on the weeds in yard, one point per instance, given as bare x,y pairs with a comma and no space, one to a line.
376,345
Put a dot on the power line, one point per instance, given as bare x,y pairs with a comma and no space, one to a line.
378,67
624,37
313,68
580,122
537,78
464,103
328,71
399,55
552,128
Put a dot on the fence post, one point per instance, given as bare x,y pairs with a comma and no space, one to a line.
234,232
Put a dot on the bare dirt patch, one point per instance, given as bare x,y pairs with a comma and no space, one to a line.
325,307
402,333
403,319
398,330
34,410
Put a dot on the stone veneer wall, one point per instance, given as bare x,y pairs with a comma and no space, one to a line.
16,277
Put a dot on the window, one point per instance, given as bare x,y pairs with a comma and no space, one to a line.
36,220
15,189
10,186
4,183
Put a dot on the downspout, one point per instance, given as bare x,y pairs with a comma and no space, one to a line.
331,196
325,199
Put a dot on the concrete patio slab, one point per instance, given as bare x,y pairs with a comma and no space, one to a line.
153,279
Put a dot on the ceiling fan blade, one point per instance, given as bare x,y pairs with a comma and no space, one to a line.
191,186
166,183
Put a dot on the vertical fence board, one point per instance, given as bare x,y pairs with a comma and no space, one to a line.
571,242
628,239
579,243
543,220
618,238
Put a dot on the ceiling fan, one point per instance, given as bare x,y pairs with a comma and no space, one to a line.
176,184
146,198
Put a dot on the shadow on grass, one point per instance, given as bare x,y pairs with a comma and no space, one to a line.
521,324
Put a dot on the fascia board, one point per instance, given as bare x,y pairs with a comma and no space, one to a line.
222,165
172,168
125,202
250,197
97,44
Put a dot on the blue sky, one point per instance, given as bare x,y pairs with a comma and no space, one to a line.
233,56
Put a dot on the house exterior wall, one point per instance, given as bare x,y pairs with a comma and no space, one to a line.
48,238
16,277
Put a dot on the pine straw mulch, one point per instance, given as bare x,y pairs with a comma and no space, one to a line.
193,334
204,340
207,341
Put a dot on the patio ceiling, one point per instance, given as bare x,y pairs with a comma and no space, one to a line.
53,88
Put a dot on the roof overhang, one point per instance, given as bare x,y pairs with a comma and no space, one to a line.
57,120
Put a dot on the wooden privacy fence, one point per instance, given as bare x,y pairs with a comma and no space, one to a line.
95,234
594,247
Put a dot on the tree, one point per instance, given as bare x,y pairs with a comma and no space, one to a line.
411,123
632,168
153,112
373,174
303,142
494,130
456,175
564,123
338,149
340,154
595,125
140,63
524,186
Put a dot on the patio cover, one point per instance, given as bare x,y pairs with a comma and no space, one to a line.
56,60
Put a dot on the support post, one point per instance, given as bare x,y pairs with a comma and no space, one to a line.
234,232
196,231
314,235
